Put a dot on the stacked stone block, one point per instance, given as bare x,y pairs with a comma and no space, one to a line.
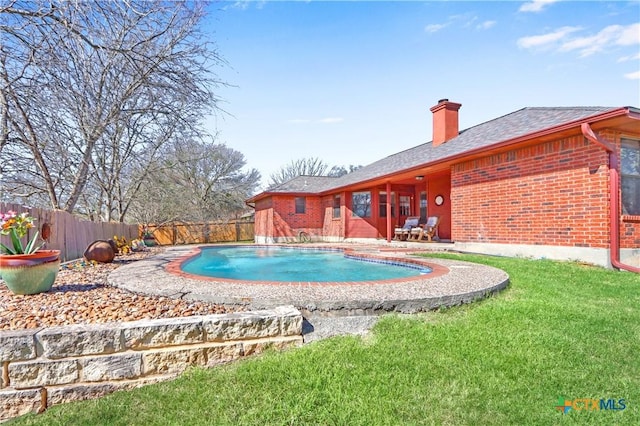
48,366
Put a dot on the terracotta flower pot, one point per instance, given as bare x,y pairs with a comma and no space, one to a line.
30,273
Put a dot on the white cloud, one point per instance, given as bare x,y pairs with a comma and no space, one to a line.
544,40
633,75
486,25
611,35
465,20
629,58
433,28
536,5
629,36
244,4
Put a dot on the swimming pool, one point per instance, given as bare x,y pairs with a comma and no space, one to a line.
286,264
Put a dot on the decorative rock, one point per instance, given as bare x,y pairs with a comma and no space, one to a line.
16,403
101,251
58,342
17,345
111,367
223,354
70,393
237,326
291,320
173,361
32,374
153,333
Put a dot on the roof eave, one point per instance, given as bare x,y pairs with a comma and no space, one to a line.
622,111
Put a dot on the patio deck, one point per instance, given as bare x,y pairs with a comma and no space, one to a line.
458,282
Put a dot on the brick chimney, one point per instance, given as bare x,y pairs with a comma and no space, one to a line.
445,121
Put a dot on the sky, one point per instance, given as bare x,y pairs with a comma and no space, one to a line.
351,82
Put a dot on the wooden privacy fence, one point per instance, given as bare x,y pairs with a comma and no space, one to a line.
69,234
200,233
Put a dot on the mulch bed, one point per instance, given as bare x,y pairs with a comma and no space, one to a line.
81,295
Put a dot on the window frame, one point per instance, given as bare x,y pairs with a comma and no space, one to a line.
336,206
366,205
300,208
626,177
382,205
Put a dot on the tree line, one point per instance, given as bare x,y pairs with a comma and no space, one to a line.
101,108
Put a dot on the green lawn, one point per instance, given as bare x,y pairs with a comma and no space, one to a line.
559,330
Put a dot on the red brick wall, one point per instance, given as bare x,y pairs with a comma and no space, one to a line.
286,223
629,225
332,227
440,186
263,226
554,193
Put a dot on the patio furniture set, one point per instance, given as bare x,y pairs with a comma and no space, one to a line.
412,230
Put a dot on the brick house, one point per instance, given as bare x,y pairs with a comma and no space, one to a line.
561,183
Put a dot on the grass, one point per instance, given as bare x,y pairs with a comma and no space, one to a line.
560,330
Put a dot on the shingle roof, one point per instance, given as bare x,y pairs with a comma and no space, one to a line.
519,123
513,125
304,184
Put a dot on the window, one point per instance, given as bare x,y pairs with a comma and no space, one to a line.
423,206
301,204
630,171
336,207
383,204
361,204
405,205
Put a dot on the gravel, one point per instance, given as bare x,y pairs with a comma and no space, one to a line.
82,295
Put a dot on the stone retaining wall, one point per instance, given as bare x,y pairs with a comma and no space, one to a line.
47,366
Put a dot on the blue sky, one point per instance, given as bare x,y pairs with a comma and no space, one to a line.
352,82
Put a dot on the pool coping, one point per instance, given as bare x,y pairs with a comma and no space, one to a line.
175,266
454,282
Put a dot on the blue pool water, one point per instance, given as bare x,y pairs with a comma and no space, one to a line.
292,265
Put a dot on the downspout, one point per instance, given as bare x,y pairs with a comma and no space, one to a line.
388,206
614,199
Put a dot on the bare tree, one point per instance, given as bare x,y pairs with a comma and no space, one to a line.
337,171
89,89
198,181
311,166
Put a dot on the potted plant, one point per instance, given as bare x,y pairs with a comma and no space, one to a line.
25,269
148,238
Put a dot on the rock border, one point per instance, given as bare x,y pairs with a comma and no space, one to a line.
47,366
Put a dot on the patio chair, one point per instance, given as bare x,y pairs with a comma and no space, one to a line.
402,233
428,232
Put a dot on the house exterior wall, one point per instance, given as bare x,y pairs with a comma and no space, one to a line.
263,227
553,193
277,220
440,186
629,225
332,228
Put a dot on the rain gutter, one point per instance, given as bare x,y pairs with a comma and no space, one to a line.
614,198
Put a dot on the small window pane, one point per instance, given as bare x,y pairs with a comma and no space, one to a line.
423,206
630,168
301,204
405,205
361,204
631,195
382,207
336,207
